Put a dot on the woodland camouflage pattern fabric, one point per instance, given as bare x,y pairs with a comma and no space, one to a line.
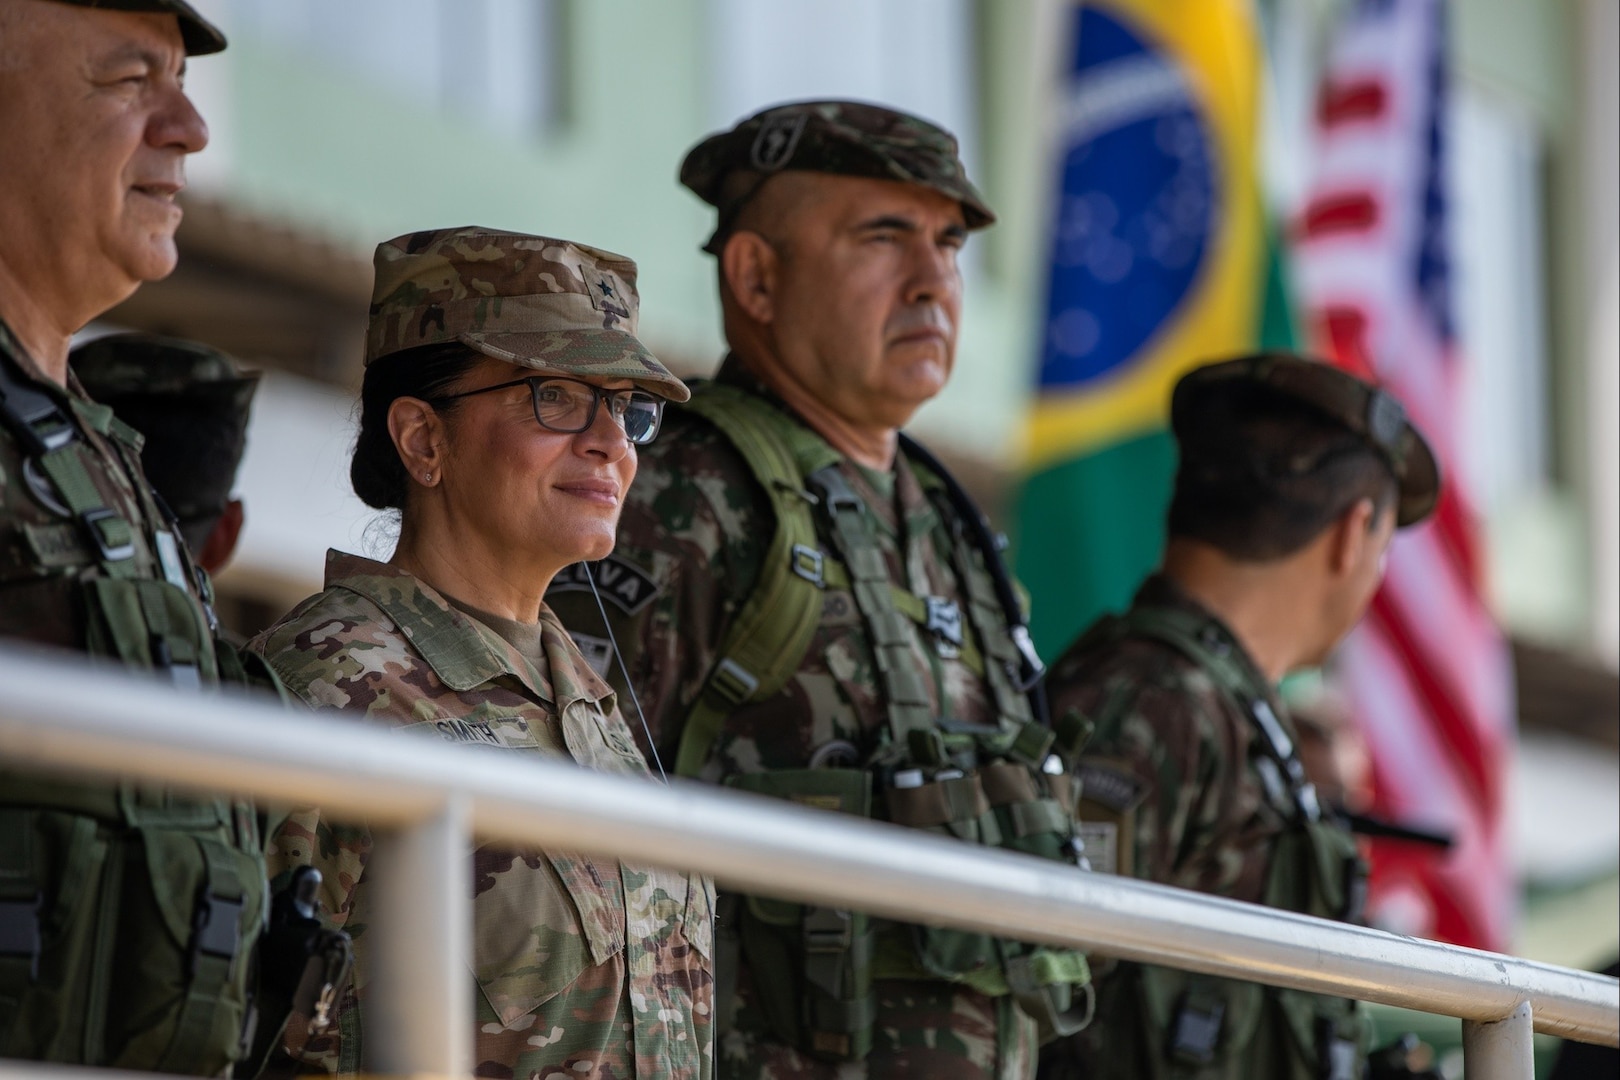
585,968
1169,794
691,539
552,305
846,138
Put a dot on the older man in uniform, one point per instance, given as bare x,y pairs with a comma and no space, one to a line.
1293,478
126,913
810,608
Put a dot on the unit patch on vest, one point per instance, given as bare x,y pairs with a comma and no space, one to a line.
623,584
1100,845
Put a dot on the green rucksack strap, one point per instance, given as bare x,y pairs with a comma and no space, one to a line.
771,632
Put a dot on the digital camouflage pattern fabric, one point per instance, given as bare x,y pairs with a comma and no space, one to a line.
551,305
694,530
584,967
1173,791
846,138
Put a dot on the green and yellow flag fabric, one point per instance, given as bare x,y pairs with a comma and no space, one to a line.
1159,262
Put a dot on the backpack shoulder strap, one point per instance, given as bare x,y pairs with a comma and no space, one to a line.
772,630
1182,631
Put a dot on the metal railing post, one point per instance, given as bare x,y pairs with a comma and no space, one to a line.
418,998
1500,1049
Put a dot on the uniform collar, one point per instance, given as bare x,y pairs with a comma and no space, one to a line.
97,417
462,652
1160,591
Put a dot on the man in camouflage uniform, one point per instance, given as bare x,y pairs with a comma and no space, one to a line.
1293,478
804,611
190,404
585,967
127,913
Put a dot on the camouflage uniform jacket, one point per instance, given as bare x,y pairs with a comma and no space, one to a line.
585,967
1171,793
693,535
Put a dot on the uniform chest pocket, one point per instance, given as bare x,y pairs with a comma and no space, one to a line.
539,921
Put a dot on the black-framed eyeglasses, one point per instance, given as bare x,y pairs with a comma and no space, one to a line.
568,406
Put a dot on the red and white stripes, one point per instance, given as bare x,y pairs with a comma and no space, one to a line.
1428,671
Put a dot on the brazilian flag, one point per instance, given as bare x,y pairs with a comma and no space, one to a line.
1159,261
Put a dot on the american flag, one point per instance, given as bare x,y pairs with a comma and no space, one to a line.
1428,671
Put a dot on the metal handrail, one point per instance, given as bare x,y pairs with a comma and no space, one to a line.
427,796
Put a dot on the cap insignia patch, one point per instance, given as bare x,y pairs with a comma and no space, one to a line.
777,139
605,291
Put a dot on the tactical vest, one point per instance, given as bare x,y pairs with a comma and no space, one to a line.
128,915
1001,785
1198,1027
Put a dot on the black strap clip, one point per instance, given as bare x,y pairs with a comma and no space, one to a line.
1195,1030
19,931
33,416
215,928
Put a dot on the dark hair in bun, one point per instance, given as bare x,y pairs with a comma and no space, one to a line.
425,372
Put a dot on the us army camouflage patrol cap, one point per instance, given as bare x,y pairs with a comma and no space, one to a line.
201,37
1366,410
551,305
846,138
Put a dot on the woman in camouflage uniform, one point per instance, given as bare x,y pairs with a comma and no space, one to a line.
504,392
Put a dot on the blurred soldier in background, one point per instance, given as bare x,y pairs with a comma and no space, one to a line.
811,608
127,915
190,404
1293,479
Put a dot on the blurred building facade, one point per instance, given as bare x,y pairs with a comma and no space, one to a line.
336,126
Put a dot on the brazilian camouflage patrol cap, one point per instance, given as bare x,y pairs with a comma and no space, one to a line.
191,404
201,37
117,365
551,305
1369,411
846,138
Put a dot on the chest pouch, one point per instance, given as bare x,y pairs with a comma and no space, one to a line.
812,965
128,919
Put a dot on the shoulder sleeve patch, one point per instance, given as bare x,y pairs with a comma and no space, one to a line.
622,583
1110,786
